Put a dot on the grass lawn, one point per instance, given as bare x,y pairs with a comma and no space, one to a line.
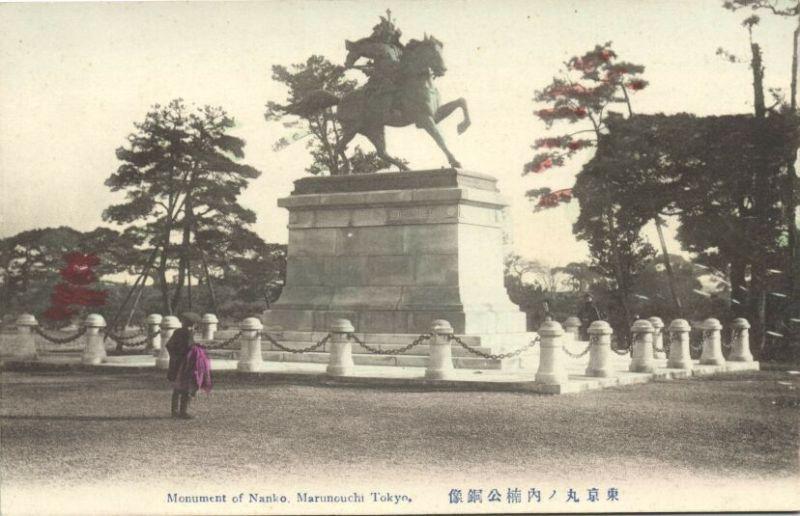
73,428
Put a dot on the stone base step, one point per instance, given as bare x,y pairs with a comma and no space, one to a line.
420,349
390,342
459,362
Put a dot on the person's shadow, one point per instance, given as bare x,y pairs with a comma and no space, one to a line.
85,418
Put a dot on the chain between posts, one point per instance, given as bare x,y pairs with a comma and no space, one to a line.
280,346
423,337
670,341
494,356
225,343
57,340
703,339
122,340
735,336
592,341
663,348
622,352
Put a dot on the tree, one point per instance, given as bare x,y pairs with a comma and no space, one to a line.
782,8
705,290
248,271
319,128
588,87
181,174
789,9
681,166
789,197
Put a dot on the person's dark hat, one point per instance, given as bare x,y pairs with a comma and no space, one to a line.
189,319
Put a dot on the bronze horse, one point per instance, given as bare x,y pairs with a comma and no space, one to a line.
410,98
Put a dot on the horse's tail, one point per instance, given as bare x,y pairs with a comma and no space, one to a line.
312,103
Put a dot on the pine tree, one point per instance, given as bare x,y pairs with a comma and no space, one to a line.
319,129
181,174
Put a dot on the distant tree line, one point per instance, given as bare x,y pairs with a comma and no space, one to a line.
539,289
245,284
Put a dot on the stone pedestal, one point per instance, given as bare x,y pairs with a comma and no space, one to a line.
169,324
600,352
250,359
572,328
679,357
208,326
94,349
393,251
642,350
340,362
153,323
740,342
551,364
440,361
712,343
25,345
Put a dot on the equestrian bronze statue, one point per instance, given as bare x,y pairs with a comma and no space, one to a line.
399,91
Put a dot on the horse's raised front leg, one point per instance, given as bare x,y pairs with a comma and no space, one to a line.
447,109
378,139
429,125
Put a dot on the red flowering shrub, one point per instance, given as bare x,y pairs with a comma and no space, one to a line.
72,293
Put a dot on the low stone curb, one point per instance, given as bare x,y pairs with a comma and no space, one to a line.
575,385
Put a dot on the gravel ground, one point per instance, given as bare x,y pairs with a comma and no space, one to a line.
79,427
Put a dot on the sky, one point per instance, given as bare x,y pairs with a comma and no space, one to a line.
74,78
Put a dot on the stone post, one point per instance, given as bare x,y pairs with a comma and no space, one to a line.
658,337
740,346
153,323
642,348
94,349
551,366
572,326
209,324
440,359
600,351
25,343
678,335
712,343
169,324
250,358
340,362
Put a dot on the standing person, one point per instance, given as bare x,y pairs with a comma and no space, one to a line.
588,313
189,367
